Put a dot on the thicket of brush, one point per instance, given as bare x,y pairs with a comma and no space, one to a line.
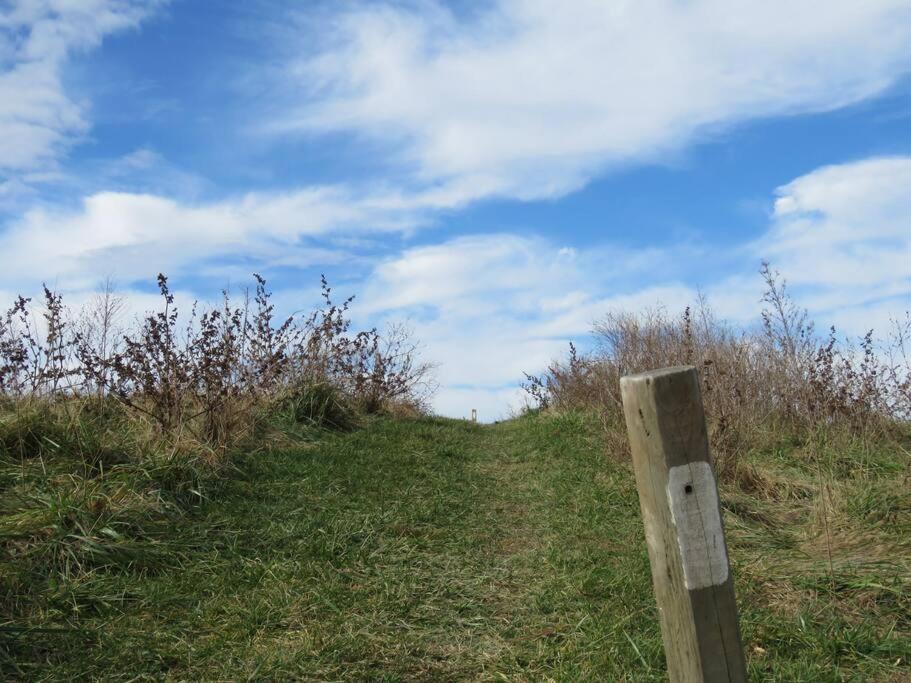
780,381
107,432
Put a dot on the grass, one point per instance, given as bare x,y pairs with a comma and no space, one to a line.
432,549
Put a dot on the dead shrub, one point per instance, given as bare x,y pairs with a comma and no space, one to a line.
212,374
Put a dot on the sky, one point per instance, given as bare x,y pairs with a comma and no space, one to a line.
498,175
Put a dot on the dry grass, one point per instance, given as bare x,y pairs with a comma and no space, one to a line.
210,374
760,386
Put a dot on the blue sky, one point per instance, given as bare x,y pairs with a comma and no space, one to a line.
498,176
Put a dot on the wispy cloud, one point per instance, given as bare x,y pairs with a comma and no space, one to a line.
39,119
842,236
490,307
526,101
128,231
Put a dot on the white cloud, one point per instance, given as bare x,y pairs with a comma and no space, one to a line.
531,98
738,297
494,271
133,234
38,118
497,267
842,236
489,307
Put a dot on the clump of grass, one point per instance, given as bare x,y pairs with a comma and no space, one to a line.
83,489
318,404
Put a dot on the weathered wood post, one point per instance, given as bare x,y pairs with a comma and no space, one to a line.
683,529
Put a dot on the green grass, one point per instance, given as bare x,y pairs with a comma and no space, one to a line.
441,550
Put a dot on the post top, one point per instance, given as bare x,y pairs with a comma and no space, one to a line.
659,373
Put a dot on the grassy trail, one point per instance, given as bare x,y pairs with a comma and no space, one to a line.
421,550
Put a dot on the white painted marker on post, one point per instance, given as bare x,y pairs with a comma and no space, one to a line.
693,500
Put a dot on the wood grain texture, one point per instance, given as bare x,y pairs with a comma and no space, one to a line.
683,528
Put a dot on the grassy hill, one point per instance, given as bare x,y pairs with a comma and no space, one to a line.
432,549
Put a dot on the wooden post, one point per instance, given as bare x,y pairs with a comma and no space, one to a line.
474,415
683,529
